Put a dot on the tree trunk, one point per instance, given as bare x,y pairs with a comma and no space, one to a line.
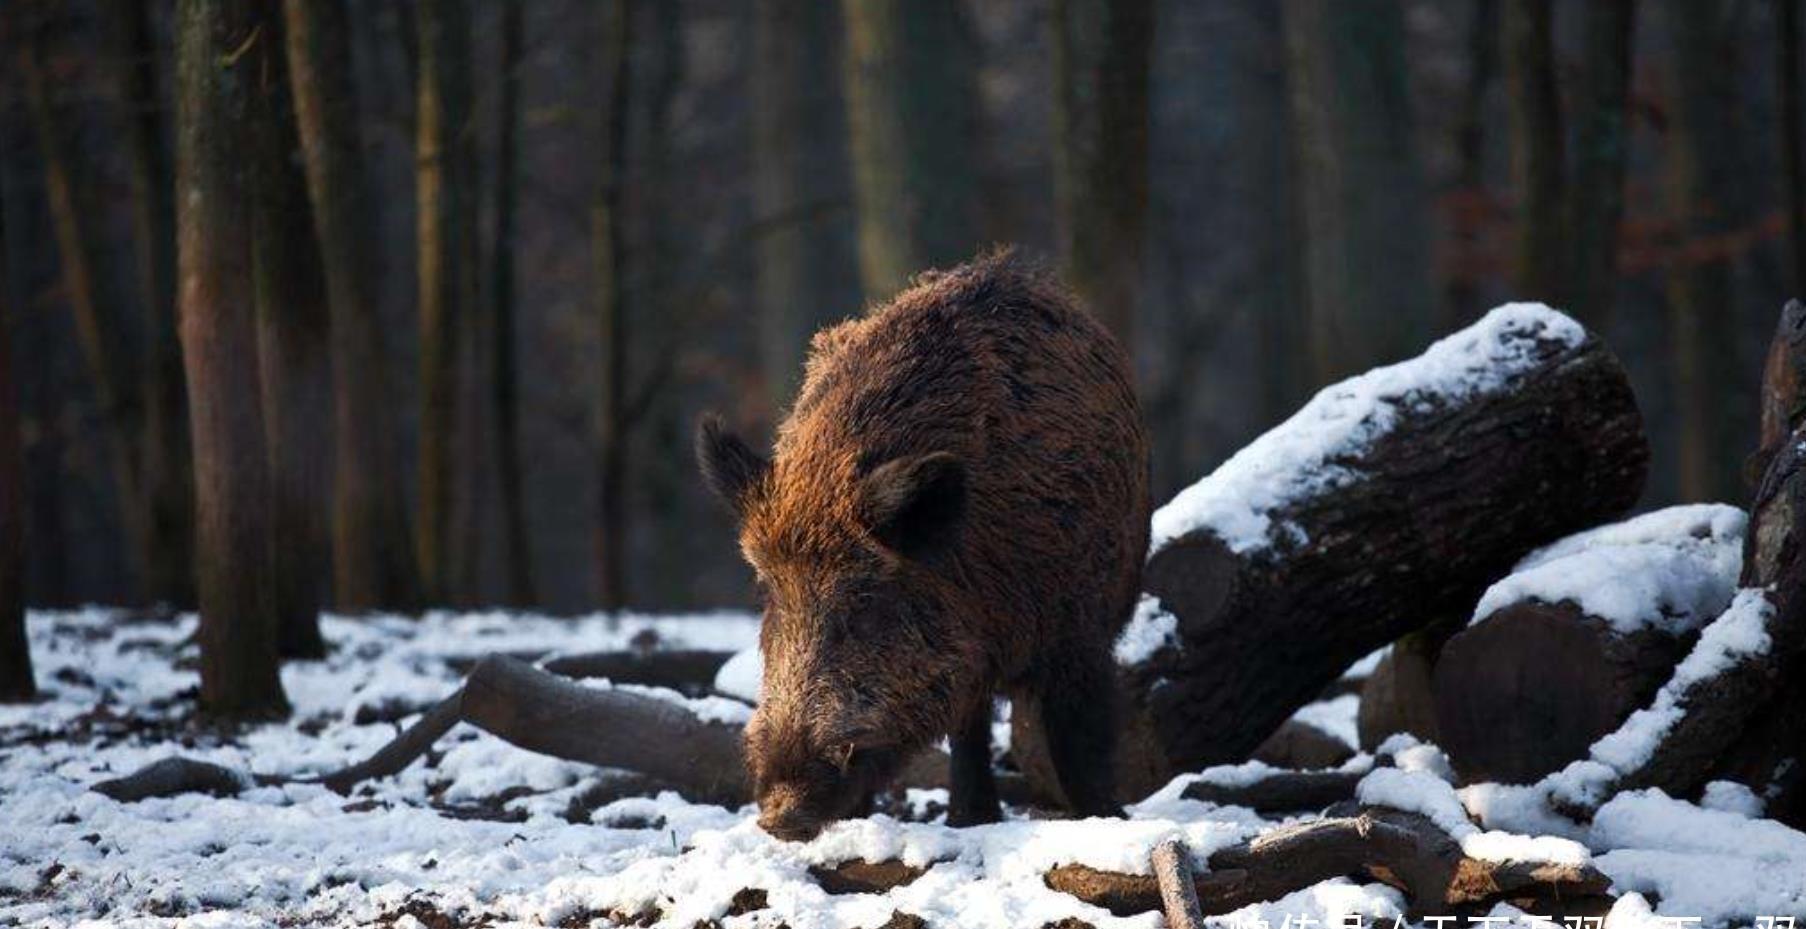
1705,168
1389,532
166,470
1537,147
216,126
441,174
1101,55
1531,687
808,271
1463,298
97,331
1783,391
16,682
609,230
1792,118
517,554
372,549
912,118
1603,142
1363,202
292,341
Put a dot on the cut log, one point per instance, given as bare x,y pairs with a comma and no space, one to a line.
1783,388
1298,744
1399,696
1387,503
1530,689
1579,636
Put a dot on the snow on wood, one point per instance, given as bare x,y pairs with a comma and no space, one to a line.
1388,503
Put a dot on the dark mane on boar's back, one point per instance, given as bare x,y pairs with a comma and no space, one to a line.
956,506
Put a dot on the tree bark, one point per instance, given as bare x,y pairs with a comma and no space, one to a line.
1101,61
608,224
808,267
1537,151
1603,143
97,330
293,331
441,177
372,548
166,468
1171,865
1402,542
1528,689
1783,392
16,682
215,127
912,117
1362,198
517,555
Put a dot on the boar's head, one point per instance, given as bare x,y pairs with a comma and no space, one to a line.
865,663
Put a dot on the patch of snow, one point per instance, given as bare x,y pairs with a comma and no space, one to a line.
1672,570
1335,716
1426,794
1308,453
1719,866
1338,902
1732,797
742,676
1149,629
1363,669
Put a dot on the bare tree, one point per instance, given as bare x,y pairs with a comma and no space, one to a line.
1361,194
1537,150
16,684
1603,140
292,341
443,239
911,111
1705,170
372,548
97,330
1462,297
504,402
216,125
808,273
166,471
1101,52
608,230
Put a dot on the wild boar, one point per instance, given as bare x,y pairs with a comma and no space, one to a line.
956,506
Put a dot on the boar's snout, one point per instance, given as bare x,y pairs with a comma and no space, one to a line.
784,813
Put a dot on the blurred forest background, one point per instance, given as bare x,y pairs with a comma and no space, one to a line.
505,251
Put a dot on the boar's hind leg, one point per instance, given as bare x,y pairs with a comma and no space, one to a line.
972,793
1078,719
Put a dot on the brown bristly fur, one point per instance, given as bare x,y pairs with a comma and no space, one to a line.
957,505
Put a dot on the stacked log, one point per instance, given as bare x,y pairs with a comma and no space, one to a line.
1580,635
1389,502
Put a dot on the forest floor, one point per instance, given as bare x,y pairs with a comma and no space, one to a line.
483,833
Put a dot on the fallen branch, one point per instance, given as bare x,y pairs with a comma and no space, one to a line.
1171,865
1285,792
689,671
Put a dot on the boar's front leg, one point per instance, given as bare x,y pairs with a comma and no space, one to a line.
1077,696
972,793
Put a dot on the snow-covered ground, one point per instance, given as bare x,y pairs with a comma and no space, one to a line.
480,832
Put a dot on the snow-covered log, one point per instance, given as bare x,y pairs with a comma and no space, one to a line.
1281,791
1399,695
1388,502
1406,850
1579,636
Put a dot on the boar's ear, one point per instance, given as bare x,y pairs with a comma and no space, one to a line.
730,468
914,504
